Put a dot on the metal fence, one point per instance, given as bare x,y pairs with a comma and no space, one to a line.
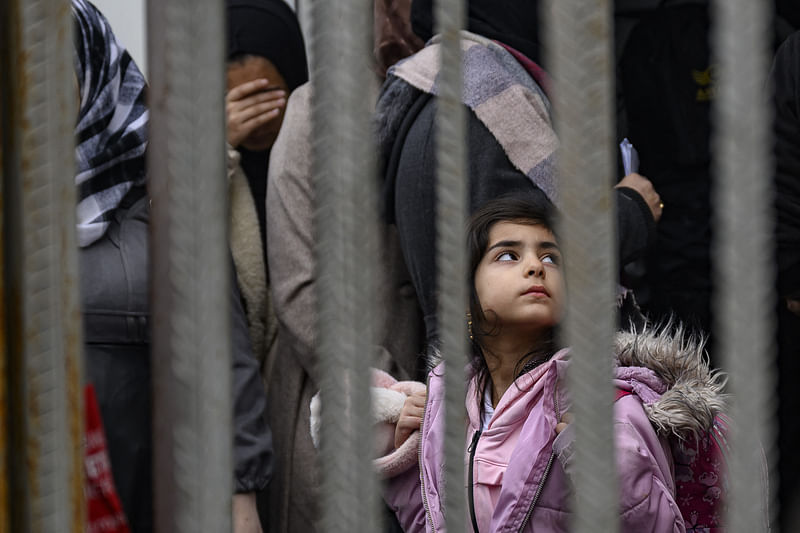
40,367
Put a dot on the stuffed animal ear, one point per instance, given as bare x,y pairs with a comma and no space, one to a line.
382,379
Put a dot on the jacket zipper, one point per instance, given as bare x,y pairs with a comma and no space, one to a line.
472,448
428,516
547,468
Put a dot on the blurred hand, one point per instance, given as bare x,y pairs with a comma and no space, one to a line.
410,417
245,514
248,107
794,306
566,420
645,188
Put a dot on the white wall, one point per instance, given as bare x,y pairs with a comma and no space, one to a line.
128,19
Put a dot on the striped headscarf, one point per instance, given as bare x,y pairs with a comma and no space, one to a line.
111,132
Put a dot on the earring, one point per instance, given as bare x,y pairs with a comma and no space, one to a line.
469,326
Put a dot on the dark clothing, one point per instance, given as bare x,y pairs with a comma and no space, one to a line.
785,77
513,22
413,197
667,83
786,81
114,284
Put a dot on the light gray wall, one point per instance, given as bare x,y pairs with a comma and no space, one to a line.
128,20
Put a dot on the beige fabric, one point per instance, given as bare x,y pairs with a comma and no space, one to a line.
248,259
291,500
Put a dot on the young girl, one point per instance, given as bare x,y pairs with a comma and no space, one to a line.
516,400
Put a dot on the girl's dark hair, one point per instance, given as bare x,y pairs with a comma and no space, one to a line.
519,207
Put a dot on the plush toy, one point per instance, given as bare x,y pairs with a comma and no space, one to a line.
388,398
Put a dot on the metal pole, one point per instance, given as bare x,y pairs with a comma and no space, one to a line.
346,245
744,252
40,269
452,191
580,58
191,359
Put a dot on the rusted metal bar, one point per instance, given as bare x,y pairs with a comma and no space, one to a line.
579,38
191,356
40,273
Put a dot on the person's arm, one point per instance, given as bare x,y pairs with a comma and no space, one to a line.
252,448
638,209
290,238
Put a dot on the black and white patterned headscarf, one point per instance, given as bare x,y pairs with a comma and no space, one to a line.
111,133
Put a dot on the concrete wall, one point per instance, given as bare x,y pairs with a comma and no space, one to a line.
128,19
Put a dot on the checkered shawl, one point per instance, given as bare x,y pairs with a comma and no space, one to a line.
111,133
501,93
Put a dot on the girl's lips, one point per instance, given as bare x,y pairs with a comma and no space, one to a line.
537,289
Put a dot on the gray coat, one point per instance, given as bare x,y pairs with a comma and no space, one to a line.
291,500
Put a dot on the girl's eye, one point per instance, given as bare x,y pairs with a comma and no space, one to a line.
550,259
506,256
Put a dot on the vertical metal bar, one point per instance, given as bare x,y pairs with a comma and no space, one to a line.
580,56
744,250
191,359
40,268
452,191
8,35
345,224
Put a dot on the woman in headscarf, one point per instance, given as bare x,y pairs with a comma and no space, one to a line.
112,227
510,137
266,62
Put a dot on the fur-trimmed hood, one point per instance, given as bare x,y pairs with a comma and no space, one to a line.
686,393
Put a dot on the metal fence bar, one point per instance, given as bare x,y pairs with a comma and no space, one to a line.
744,250
191,277
7,36
579,37
346,244
40,269
452,191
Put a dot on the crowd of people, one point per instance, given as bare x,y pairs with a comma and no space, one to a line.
517,433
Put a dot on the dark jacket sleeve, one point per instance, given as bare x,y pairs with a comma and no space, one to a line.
636,226
786,82
252,446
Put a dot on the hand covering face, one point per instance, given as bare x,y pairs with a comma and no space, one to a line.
111,132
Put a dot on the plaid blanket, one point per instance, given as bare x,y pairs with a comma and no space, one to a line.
497,88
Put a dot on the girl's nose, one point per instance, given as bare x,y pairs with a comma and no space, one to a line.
536,269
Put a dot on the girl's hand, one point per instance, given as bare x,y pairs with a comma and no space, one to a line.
410,417
793,305
566,420
249,106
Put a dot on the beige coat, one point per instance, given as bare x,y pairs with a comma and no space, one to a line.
292,500
248,259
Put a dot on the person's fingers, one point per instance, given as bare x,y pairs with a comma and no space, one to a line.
406,425
568,418
243,115
247,88
793,306
233,106
561,426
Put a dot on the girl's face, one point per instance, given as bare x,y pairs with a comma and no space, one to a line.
519,280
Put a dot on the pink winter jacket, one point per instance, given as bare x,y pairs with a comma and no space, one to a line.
520,480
